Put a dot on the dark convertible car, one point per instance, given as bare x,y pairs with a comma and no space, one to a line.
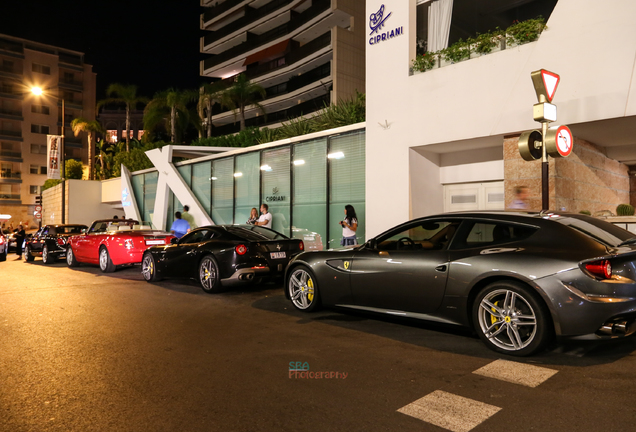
49,242
517,278
222,255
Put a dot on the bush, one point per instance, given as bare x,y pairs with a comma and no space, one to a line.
73,169
51,183
624,210
424,62
246,138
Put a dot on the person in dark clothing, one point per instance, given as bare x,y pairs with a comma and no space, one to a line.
20,235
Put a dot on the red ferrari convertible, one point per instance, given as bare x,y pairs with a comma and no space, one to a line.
112,243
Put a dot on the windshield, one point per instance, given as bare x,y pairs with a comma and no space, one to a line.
255,233
599,230
71,229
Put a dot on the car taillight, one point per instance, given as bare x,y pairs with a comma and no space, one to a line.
301,245
601,268
241,249
61,241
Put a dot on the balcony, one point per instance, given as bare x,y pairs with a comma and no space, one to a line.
10,175
302,109
12,197
297,82
11,112
251,15
12,70
255,41
70,59
11,154
214,11
11,133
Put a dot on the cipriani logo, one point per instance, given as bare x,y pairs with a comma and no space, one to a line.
376,23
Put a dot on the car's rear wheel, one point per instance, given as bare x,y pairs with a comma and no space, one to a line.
511,319
27,254
209,275
105,263
149,268
71,261
46,257
303,289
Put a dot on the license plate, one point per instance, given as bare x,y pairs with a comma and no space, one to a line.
278,255
154,242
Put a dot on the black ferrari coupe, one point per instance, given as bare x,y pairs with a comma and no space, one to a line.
517,278
222,255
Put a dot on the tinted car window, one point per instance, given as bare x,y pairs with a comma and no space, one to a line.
195,237
422,235
599,230
490,233
255,233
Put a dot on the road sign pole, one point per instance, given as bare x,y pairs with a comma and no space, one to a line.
545,171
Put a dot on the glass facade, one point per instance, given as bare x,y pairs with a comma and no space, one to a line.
305,184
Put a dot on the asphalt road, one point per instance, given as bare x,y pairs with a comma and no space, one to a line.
84,351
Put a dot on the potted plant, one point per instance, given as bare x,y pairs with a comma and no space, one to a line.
457,52
520,33
424,62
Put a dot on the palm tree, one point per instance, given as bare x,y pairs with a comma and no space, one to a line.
103,157
209,94
170,105
90,127
241,95
126,94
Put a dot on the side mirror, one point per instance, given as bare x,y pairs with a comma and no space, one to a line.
371,244
174,240
84,230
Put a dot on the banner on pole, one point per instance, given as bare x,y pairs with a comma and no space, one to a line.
53,156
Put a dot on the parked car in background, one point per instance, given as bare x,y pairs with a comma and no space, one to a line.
49,242
111,243
222,255
4,246
518,278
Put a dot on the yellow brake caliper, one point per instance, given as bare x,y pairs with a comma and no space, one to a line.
310,292
493,318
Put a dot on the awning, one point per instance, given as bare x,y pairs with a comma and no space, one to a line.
267,52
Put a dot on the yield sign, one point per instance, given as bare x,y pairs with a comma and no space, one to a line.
545,84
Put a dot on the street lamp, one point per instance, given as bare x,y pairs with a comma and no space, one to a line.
39,92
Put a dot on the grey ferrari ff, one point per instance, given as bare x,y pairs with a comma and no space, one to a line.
518,279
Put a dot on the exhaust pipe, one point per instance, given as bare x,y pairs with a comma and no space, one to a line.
246,276
620,327
612,328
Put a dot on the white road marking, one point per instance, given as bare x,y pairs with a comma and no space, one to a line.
449,411
517,373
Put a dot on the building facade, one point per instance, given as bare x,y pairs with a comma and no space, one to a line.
304,53
26,119
446,139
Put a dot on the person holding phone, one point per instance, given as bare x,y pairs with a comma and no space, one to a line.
349,227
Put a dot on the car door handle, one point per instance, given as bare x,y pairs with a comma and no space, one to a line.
441,268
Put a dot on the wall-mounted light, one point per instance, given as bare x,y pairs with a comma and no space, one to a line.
299,162
212,178
238,174
336,155
266,168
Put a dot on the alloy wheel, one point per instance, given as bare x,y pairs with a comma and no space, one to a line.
507,320
148,267
301,289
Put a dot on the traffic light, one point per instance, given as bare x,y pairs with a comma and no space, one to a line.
38,200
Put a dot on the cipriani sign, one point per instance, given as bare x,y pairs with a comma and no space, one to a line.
376,23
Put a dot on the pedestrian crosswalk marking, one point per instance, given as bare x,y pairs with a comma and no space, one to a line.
449,411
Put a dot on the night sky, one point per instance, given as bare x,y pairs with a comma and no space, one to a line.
153,44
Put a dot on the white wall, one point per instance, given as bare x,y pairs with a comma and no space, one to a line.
85,202
111,191
591,44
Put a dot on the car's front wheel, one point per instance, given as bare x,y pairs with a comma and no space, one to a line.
209,275
27,254
105,263
149,268
511,319
71,261
303,289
